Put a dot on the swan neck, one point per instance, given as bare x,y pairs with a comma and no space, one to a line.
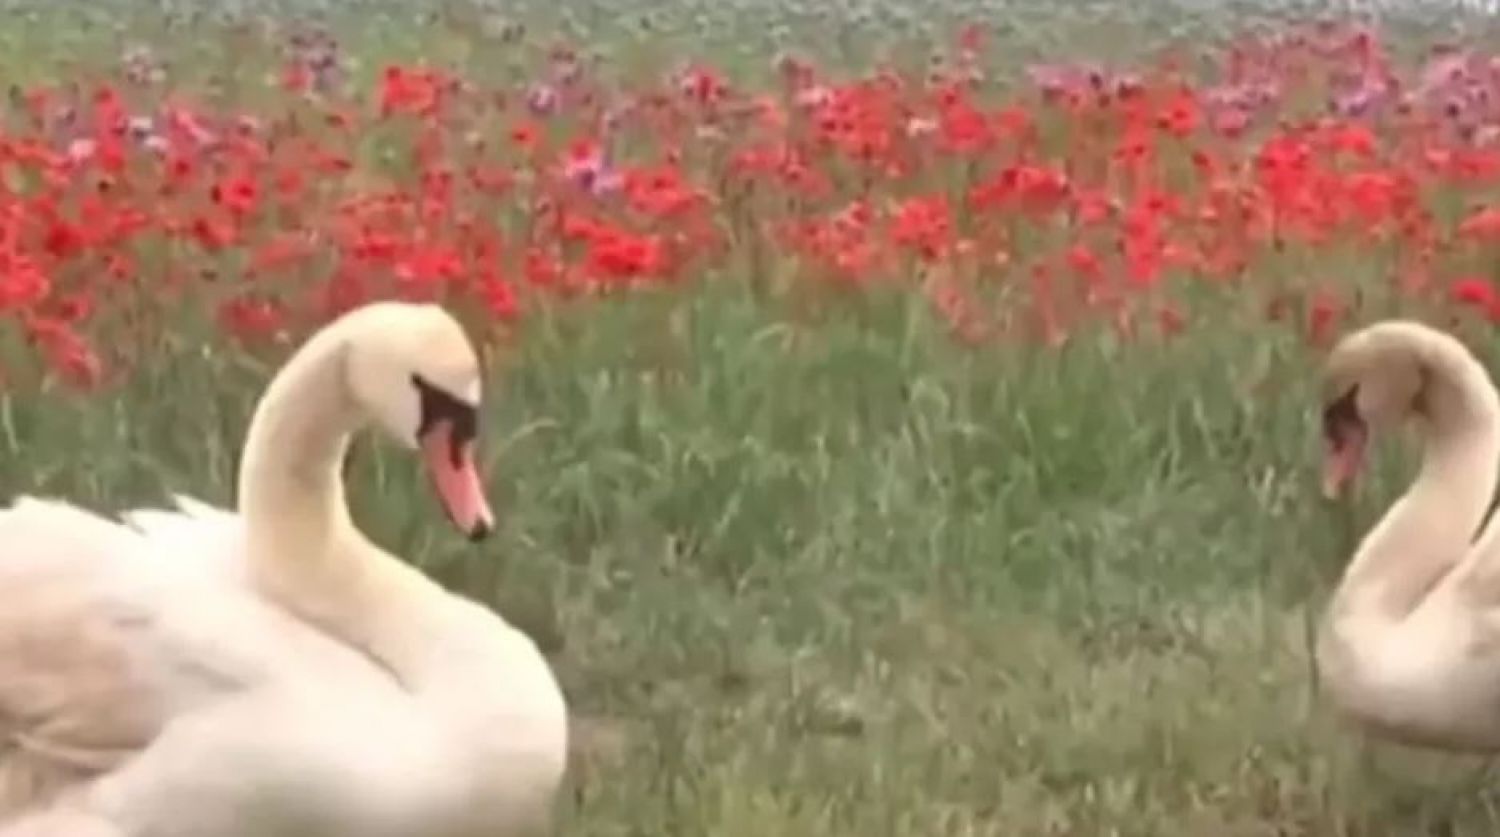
304,551
1430,529
291,490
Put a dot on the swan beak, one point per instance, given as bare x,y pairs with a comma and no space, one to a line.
1342,461
455,478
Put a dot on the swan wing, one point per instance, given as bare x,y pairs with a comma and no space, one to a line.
109,631
203,537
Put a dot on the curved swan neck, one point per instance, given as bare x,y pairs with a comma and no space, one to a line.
303,550
1429,530
291,490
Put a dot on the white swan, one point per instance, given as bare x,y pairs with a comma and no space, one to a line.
1410,644
274,673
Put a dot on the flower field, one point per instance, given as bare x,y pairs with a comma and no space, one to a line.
1146,201
910,441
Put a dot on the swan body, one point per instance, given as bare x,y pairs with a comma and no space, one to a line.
273,672
1410,644
1428,681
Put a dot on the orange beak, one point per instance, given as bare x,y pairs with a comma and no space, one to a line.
455,478
1344,457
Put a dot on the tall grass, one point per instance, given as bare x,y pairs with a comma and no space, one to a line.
847,578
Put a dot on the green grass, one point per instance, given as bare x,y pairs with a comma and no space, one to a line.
845,578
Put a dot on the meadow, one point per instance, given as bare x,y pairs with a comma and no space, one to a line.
902,421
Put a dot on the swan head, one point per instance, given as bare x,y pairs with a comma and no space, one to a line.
413,370
1374,379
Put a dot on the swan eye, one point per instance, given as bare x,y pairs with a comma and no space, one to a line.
1342,414
436,406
